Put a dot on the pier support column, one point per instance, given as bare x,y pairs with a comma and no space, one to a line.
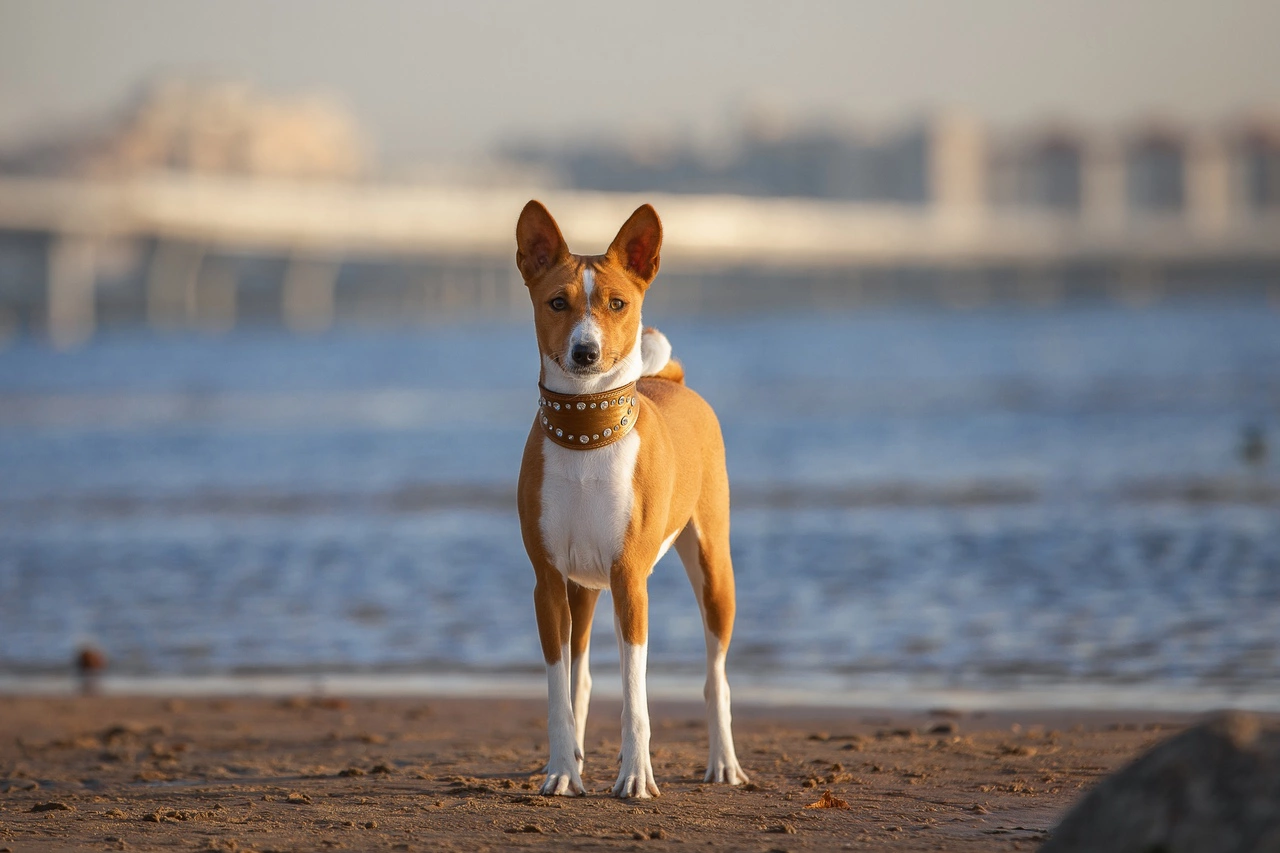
72,283
216,297
308,293
171,285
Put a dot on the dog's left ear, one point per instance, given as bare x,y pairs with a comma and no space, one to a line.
638,242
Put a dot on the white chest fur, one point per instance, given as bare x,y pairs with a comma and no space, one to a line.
587,497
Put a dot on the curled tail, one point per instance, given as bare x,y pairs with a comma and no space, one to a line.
655,352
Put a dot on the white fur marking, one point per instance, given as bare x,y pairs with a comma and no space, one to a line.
561,381
587,330
580,684
722,759
666,546
655,352
635,774
563,774
587,496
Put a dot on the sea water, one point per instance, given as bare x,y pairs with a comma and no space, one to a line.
1069,501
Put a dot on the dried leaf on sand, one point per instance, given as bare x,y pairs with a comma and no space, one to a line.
828,801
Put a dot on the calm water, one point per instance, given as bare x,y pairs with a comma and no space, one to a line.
975,500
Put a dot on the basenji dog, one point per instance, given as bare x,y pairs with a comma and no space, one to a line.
623,460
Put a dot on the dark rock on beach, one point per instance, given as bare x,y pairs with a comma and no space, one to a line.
1214,788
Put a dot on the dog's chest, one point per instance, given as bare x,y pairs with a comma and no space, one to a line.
587,498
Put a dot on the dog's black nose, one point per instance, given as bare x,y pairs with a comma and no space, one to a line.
585,354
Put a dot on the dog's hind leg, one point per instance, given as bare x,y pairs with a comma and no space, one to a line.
582,606
705,554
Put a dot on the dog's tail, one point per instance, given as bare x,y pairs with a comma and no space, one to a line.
655,351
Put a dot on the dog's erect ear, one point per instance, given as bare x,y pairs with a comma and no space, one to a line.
638,242
539,245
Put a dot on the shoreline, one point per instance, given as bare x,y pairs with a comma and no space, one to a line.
431,772
811,690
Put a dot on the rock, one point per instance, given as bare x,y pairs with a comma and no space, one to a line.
90,660
1215,787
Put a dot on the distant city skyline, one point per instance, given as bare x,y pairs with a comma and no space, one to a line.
452,79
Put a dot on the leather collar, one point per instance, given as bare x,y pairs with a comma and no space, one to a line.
587,421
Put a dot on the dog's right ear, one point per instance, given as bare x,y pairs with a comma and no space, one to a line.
539,244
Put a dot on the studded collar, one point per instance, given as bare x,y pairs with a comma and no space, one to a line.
587,421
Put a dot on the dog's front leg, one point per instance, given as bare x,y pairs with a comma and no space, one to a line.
631,622
582,607
551,602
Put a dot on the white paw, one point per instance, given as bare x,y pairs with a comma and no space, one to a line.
564,778
725,770
636,779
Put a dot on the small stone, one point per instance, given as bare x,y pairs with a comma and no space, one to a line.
531,828
52,806
351,771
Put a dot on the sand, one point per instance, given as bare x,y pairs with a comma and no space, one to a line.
329,773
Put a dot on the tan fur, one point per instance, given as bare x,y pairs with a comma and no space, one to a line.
680,474
678,489
672,371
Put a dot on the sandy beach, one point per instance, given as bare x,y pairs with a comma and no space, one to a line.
332,773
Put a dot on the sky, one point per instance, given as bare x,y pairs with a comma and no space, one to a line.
430,79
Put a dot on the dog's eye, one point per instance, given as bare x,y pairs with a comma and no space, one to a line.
559,303
617,304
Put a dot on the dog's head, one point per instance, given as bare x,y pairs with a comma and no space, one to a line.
586,308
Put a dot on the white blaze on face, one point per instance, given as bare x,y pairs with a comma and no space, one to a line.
587,330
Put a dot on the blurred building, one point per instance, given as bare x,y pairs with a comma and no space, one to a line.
207,128
1148,169
1256,142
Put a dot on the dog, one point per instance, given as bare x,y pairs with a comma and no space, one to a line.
623,461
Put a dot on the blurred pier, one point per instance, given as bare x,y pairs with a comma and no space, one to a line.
206,205
191,250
